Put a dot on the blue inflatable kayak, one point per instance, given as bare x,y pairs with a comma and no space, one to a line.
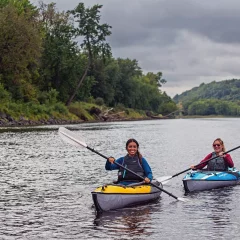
204,180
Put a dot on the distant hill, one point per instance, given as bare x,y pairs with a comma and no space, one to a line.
225,90
215,98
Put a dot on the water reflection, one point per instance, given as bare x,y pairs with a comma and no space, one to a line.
216,209
220,207
132,221
46,184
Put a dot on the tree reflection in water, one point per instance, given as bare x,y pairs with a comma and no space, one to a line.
132,221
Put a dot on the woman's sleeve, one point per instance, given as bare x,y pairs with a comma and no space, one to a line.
205,159
147,169
229,161
113,166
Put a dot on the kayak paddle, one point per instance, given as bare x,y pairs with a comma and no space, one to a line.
165,179
73,139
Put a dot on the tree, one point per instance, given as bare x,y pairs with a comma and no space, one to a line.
20,47
62,61
126,84
94,37
155,78
106,76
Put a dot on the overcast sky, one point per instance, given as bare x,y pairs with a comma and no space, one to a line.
189,41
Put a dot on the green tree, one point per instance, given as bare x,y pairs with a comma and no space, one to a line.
20,47
106,76
129,71
94,37
62,61
155,78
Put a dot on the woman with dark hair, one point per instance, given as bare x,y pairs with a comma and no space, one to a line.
133,161
221,163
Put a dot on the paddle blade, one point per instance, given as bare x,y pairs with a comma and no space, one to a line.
183,199
70,137
164,179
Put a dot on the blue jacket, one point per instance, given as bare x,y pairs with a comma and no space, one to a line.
145,166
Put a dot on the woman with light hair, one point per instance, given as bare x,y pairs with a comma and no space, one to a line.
221,161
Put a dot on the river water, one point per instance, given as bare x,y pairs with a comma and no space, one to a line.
46,183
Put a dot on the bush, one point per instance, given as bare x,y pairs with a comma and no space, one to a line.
81,110
4,94
48,97
91,100
60,107
99,101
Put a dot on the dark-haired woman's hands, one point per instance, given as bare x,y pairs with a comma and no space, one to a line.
147,180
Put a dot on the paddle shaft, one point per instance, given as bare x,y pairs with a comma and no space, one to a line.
170,194
204,162
65,133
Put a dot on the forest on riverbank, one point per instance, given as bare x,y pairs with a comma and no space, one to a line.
215,98
58,66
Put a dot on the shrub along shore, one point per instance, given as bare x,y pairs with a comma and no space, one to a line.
76,113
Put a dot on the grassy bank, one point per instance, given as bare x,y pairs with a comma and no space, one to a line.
32,113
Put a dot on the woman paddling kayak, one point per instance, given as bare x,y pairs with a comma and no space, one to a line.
133,161
222,163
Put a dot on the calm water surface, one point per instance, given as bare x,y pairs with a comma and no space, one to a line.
46,184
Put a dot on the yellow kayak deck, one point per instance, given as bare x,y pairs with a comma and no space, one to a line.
124,189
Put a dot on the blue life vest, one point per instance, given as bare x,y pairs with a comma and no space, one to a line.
132,163
217,164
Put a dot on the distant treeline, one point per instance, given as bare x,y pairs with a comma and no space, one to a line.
49,57
215,98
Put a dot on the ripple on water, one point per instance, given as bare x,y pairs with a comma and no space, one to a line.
46,184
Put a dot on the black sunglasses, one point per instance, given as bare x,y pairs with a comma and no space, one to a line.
216,145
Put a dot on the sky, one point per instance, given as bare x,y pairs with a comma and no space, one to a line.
189,41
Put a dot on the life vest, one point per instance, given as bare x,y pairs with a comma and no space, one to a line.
132,163
217,164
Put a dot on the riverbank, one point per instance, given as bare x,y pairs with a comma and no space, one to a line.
22,122
10,122
77,113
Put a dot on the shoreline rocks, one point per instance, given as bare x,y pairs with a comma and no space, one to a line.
10,122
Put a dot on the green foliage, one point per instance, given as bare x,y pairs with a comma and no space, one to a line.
59,107
33,111
90,99
120,107
4,95
135,114
122,82
155,79
20,47
94,34
21,5
224,90
48,97
213,107
41,64
81,110
94,38
215,98
61,62
106,76
99,101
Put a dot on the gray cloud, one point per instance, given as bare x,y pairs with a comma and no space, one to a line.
190,41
